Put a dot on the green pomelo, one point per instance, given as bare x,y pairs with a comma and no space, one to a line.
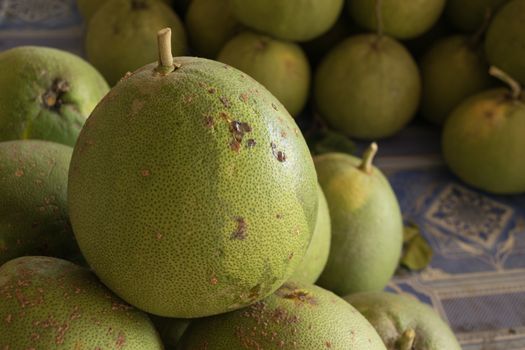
282,67
469,15
483,142
420,45
88,8
367,227
210,24
297,20
48,303
505,40
296,316
368,87
192,178
118,37
171,330
452,70
46,94
33,206
401,19
316,256
403,322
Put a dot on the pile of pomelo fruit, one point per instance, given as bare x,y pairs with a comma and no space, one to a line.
190,213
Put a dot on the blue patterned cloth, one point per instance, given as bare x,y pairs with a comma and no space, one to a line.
476,280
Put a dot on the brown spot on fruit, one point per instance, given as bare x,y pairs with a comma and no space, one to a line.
19,172
235,145
208,121
279,155
240,230
328,344
251,143
225,101
121,341
244,97
211,90
52,98
145,172
214,280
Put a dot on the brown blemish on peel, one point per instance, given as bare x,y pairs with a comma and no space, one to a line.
251,143
225,101
52,98
208,121
240,231
279,155
238,130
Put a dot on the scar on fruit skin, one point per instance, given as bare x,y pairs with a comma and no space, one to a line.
240,231
238,130
279,155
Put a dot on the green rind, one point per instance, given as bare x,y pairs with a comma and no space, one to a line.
48,303
159,191
297,316
391,315
33,210
88,8
469,15
367,227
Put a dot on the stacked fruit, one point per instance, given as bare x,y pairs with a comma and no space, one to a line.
191,210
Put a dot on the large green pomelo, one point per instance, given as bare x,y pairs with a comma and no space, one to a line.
46,94
452,70
48,303
296,316
483,142
198,183
296,20
88,8
505,40
368,87
396,316
469,15
33,208
210,24
367,227
281,66
118,37
401,19
316,256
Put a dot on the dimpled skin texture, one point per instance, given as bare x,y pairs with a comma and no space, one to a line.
367,228
483,142
295,20
316,256
468,15
210,24
391,315
118,37
282,67
505,40
451,71
194,193
367,87
33,209
30,73
296,316
48,303
402,19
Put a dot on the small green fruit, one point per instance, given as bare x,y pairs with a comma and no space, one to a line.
296,20
88,8
48,303
368,87
47,94
401,19
505,40
118,37
469,15
282,67
297,316
367,227
33,209
452,70
316,256
403,322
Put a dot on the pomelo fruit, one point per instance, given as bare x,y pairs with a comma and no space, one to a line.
296,20
316,256
367,87
33,210
505,40
469,15
118,37
87,8
400,19
483,140
170,330
403,322
296,316
281,66
49,303
210,24
47,94
367,227
453,69
192,178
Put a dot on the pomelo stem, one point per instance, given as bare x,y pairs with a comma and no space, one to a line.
379,18
407,340
165,55
368,158
515,87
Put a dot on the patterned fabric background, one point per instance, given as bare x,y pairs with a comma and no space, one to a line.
476,280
